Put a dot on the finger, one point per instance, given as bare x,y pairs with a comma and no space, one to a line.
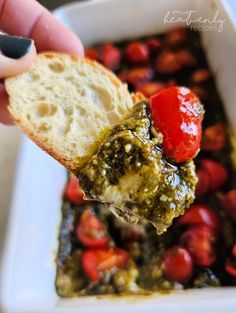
4,114
10,67
32,20
52,35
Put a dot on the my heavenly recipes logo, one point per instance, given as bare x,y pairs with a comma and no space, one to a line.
196,22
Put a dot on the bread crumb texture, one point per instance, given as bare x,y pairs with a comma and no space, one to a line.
64,102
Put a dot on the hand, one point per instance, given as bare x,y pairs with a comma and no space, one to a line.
30,19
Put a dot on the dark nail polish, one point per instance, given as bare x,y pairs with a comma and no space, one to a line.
14,47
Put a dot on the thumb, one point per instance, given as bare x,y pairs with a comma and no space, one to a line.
16,56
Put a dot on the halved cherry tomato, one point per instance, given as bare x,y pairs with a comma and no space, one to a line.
176,36
73,193
90,231
107,54
177,114
150,88
93,54
217,173
167,63
97,261
229,203
111,56
230,267
154,44
203,184
137,52
185,58
200,214
200,76
139,75
122,76
234,251
200,241
178,265
214,138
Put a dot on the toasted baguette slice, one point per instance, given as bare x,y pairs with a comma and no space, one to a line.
64,103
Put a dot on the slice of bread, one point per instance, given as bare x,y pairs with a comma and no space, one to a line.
64,103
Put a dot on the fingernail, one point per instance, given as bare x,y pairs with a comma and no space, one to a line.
15,47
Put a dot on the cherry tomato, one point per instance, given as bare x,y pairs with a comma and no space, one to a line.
154,44
200,76
203,184
178,265
214,138
73,193
234,251
93,54
122,76
150,88
176,36
217,173
229,203
200,241
90,231
200,214
177,114
139,75
97,261
167,63
107,54
137,52
111,57
230,267
185,58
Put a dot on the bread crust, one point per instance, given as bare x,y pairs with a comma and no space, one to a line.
68,163
71,162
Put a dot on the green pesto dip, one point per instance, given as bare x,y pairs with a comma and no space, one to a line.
133,177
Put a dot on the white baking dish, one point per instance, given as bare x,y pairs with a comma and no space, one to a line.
28,272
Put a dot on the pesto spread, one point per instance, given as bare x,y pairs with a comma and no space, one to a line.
130,173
